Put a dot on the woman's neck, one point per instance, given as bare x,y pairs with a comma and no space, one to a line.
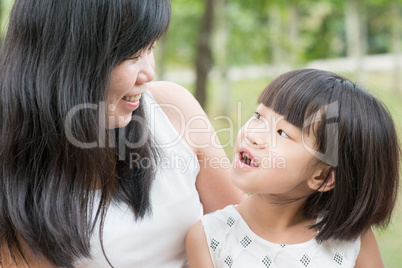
282,223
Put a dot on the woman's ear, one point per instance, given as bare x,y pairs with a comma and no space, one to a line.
323,179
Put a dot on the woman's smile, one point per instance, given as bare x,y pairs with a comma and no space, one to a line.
128,82
133,101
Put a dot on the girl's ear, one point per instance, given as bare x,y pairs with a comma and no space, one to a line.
323,180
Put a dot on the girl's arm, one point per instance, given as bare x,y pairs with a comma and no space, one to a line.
184,112
369,255
197,247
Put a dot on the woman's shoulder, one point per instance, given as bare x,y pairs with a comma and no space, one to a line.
169,93
184,112
176,101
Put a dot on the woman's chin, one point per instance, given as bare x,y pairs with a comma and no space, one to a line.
118,121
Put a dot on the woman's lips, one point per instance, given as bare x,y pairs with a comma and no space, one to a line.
132,101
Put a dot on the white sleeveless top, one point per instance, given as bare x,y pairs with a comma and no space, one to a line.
157,241
233,244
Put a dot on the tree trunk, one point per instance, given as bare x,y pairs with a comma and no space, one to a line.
1,12
275,33
355,35
396,44
352,22
294,24
220,55
363,72
204,57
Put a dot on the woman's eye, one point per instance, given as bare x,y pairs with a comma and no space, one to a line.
151,48
135,57
282,133
257,115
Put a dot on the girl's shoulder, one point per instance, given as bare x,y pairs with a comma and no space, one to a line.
222,220
229,239
344,253
369,254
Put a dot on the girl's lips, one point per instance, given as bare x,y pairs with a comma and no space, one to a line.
238,164
245,152
246,157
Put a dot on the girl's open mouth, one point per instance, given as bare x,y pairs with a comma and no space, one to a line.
247,158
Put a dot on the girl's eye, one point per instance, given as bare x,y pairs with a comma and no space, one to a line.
282,133
257,115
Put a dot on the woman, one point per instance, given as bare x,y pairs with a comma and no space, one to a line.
88,157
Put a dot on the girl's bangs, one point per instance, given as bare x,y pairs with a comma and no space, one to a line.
299,97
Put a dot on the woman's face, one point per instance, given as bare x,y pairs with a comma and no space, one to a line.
128,82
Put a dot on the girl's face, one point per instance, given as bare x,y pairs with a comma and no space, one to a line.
127,84
270,156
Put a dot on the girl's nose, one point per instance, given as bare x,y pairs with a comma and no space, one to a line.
256,139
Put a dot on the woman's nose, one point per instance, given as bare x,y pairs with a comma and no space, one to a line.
147,71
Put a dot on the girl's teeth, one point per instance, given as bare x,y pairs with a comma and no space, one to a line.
253,163
248,161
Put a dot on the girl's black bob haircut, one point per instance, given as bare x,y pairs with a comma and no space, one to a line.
355,136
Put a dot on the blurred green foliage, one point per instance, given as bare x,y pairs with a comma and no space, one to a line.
321,29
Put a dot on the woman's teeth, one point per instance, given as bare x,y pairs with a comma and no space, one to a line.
132,98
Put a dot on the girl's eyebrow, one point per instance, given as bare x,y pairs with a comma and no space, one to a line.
284,119
282,122
294,130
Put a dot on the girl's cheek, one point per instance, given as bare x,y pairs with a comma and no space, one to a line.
240,136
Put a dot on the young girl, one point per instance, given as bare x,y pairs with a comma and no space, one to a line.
321,159
79,184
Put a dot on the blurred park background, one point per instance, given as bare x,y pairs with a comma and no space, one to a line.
226,51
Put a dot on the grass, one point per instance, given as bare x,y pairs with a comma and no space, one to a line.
390,240
242,104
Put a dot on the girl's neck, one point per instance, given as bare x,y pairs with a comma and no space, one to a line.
277,222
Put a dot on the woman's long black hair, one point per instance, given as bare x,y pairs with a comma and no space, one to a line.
56,56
